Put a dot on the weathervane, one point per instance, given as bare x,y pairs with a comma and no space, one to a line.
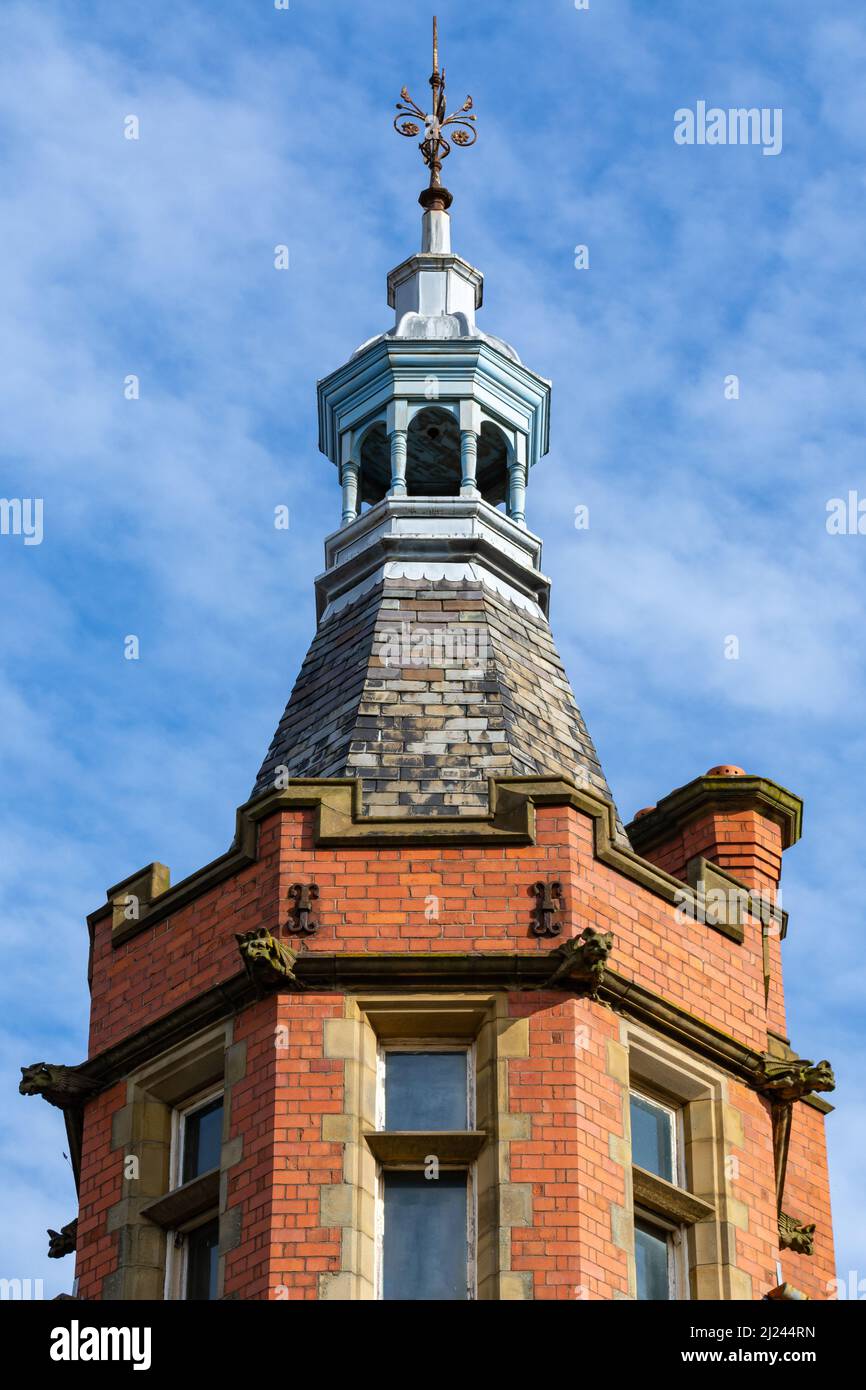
434,147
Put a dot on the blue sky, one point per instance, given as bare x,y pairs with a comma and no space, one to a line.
261,127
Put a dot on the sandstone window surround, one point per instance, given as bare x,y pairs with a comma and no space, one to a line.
426,1145
161,1098
189,1212
479,1026
697,1209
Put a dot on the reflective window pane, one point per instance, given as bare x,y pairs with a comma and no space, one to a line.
425,1090
425,1241
652,1138
201,1261
651,1256
202,1139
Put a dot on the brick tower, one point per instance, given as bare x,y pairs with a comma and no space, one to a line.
437,1026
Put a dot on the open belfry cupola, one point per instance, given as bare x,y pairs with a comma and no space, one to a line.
434,407
433,667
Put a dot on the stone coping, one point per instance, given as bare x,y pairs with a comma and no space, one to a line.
339,821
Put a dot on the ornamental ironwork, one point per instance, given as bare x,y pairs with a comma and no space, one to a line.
435,147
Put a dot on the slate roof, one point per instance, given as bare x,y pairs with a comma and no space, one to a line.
424,689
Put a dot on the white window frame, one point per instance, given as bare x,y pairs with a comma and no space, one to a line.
439,1045
176,1254
675,1120
176,1257
675,1234
459,1045
179,1117
471,1222
675,1240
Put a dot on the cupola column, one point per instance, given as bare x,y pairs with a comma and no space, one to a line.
470,428
349,477
398,423
517,484
398,464
468,463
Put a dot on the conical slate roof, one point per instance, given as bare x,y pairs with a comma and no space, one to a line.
424,688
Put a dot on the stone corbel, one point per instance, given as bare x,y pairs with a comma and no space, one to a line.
269,963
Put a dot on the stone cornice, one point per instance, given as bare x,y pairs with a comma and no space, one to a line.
345,972
339,821
486,539
390,367
676,809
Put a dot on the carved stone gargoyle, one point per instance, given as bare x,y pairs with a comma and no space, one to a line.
65,1087
269,963
582,957
786,1079
62,1242
783,1081
793,1235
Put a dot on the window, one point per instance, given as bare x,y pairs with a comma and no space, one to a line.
426,1148
191,1208
200,1259
201,1136
427,1090
664,1209
658,1242
683,1134
425,1248
170,1097
655,1261
653,1137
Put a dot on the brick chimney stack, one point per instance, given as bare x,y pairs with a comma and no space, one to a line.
739,822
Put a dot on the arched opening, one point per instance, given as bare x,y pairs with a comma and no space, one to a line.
375,460
433,454
492,475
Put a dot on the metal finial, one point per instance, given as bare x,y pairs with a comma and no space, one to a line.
434,147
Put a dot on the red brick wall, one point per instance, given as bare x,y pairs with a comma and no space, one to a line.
753,1183
745,843
575,1107
277,1109
182,956
101,1186
379,899
807,1197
